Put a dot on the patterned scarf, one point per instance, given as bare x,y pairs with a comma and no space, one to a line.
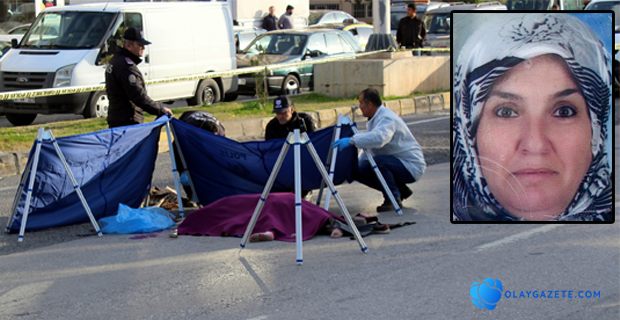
500,43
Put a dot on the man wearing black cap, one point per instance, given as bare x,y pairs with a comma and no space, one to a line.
125,84
286,20
286,119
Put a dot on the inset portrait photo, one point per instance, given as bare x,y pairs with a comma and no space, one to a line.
532,117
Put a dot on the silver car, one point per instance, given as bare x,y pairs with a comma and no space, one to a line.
437,23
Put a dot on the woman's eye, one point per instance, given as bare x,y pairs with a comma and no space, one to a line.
505,112
565,112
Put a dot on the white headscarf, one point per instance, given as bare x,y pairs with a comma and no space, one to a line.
498,44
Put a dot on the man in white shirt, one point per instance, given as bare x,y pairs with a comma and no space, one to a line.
397,153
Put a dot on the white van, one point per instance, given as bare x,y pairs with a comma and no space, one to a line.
187,38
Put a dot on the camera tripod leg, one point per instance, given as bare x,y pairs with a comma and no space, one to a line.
334,192
375,168
299,259
265,194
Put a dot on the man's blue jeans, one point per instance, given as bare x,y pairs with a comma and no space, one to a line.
394,172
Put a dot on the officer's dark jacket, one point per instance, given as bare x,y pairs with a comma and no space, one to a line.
127,92
275,130
270,23
410,32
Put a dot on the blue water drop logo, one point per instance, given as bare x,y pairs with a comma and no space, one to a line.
485,295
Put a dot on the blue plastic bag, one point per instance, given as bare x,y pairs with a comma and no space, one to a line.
141,220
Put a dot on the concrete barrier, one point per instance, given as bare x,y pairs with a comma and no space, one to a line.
326,117
402,75
393,105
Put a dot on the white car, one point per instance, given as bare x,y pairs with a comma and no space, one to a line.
15,33
437,22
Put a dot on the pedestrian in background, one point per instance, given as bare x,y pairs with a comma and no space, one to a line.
286,20
270,22
125,85
411,31
397,153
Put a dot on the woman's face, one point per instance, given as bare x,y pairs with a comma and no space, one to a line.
534,139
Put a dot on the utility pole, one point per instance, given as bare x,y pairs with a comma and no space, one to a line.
381,16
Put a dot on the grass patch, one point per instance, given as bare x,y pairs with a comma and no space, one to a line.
21,138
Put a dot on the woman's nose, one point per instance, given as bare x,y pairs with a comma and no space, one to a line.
534,137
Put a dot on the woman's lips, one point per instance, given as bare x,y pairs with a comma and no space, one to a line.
534,175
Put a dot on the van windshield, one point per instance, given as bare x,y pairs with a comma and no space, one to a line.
437,23
68,30
528,4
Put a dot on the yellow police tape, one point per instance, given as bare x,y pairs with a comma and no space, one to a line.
37,93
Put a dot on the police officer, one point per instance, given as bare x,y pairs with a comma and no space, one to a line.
125,84
286,119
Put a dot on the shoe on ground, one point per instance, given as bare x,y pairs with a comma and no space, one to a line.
387,206
405,193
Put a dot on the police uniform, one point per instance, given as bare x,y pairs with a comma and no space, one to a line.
126,89
275,130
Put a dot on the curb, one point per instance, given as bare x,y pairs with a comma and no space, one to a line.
252,129
13,163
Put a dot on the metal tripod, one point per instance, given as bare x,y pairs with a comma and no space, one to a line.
31,172
331,162
297,139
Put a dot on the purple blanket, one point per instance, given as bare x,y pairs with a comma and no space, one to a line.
230,216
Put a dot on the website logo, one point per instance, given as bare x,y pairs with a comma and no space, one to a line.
487,294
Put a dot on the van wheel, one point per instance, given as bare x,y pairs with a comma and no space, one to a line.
20,119
291,85
97,106
207,93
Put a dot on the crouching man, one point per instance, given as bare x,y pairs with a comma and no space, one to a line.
397,153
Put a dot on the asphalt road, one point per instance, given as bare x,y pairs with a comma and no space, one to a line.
423,271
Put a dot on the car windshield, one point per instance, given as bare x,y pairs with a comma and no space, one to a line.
528,4
68,30
437,23
608,5
315,17
279,43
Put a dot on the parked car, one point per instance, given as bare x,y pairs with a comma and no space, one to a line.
437,22
286,46
20,29
544,4
613,5
16,33
360,31
320,17
87,36
243,36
